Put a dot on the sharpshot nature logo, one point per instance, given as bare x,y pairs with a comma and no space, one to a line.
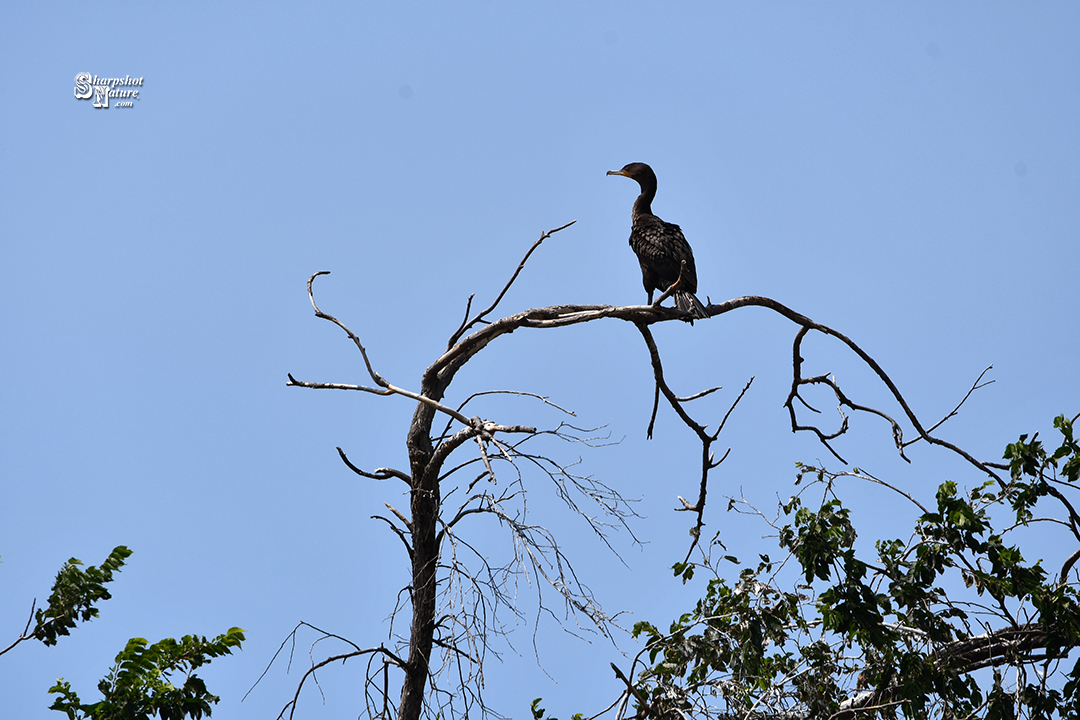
123,90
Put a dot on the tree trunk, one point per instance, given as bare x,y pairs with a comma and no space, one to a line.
425,561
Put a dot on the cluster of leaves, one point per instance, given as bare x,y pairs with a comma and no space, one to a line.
73,597
74,594
139,685
883,638
722,647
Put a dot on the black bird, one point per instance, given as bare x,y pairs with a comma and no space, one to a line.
661,247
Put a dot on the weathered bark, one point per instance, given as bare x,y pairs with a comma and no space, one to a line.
424,504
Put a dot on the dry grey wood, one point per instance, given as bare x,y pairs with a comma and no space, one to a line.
462,625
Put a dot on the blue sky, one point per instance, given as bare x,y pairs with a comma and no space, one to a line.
908,174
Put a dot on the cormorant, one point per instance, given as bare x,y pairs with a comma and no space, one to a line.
660,246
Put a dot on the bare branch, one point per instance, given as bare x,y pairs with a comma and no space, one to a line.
707,461
542,398
397,513
388,390
466,324
443,369
310,673
293,382
978,384
1067,566
655,407
701,394
378,474
357,651
320,314
643,702
487,461
707,465
396,529
26,634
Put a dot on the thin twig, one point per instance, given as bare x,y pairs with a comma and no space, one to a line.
466,324
978,384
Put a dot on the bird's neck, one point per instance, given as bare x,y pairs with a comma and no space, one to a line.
643,204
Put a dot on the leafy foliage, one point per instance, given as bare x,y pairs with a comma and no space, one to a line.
74,594
880,636
139,685
538,712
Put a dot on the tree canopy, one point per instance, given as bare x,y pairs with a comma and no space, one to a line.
951,622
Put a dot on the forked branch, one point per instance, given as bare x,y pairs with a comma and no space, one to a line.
466,324
450,605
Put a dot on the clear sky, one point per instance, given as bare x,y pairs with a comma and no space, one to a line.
906,173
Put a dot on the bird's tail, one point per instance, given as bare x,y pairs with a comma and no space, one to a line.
688,302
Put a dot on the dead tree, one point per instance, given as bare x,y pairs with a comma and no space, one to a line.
452,607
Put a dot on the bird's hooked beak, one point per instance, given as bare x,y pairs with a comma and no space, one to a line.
617,172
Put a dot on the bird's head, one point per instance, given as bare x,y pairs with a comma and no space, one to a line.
637,171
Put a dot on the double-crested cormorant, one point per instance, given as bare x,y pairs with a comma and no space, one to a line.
660,246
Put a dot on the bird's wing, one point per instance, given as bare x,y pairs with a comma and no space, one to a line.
662,248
